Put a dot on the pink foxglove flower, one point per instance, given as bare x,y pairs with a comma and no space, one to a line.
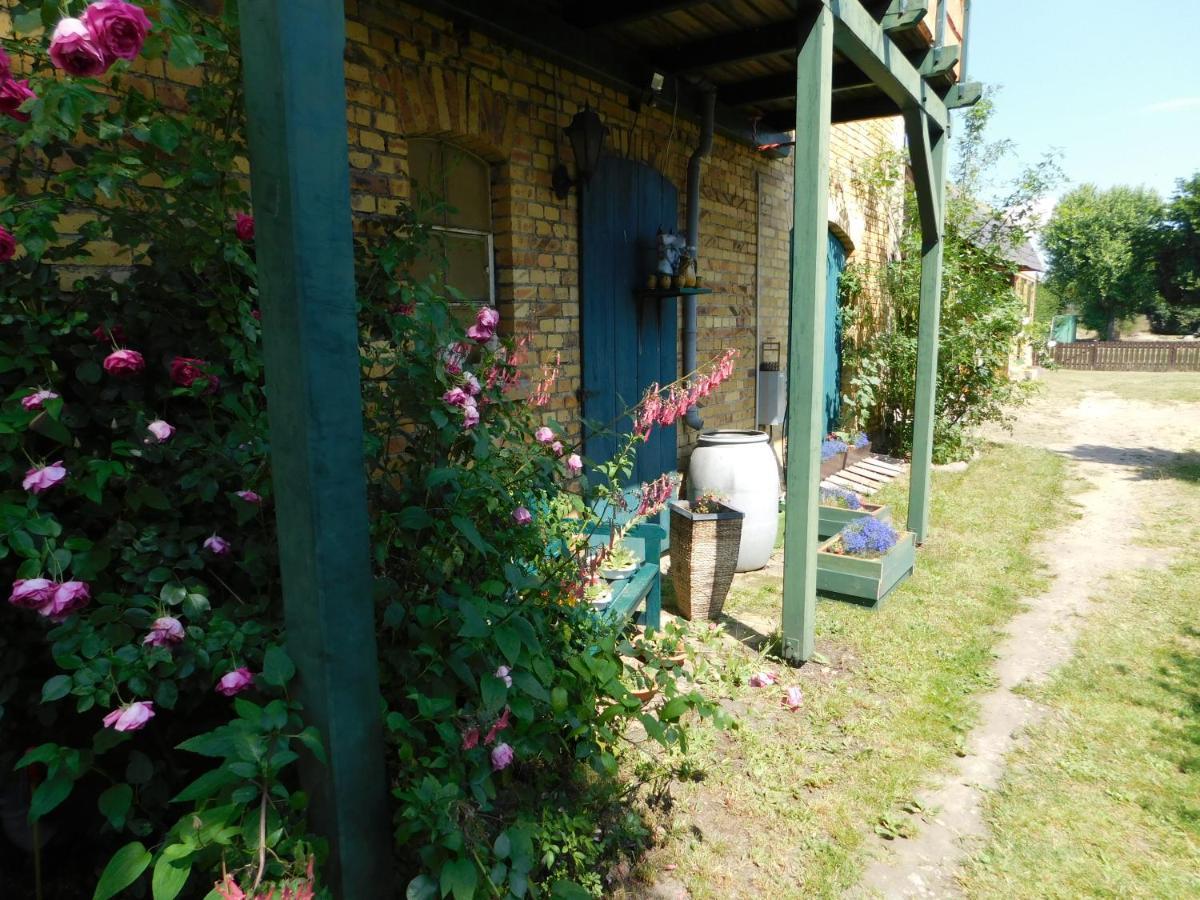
130,717
543,435
33,593
161,430
792,699
249,496
69,597
73,49
484,328
502,757
217,545
13,95
37,400
124,362
243,227
763,679
39,481
522,516
504,673
574,464
118,28
233,683
8,245
165,632
470,739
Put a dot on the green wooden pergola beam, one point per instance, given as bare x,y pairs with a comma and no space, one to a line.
904,15
806,352
292,52
965,93
927,145
860,38
939,61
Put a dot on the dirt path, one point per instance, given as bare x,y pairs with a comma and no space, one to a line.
1116,445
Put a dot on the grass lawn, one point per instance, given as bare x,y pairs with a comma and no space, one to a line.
779,806
1105,799
1158,387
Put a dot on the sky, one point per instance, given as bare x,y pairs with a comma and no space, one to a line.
1113,84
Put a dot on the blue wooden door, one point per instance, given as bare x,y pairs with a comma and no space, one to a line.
628,342
833,333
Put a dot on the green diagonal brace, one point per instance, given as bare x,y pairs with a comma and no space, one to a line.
928,151
806,353
292,51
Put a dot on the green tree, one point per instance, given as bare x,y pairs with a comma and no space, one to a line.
1101,246
1178,258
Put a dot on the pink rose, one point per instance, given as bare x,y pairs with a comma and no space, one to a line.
74,50
37,400
32,593
502,757
457,397
161,430
13,94
249,496
504,673
557,447
187,370
243,227
217,546
8,245
165,632
470,414
68,597
130,717
543,435
124,362
39,480
452,358
472,384
233,683
118,28
763,679
574,464
484,328
470,739
104,334
521,516
792,699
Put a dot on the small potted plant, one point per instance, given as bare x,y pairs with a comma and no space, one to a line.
598,594
620,563
833,455
840,507
865,560
705,539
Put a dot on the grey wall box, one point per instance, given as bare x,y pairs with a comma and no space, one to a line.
772,397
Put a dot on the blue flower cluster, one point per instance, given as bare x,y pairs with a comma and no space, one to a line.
839,497
831,447
860,441
868,537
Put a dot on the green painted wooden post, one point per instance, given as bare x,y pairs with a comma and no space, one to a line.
292,52
929,172
806,354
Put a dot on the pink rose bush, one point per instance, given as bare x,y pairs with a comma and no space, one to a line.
167,631
522,516
218,546
124,363
243,227
248,497
233,683
14,94
484,328
49,599
109,30
37,400
543,435
8,245
574,464
160,430
73,49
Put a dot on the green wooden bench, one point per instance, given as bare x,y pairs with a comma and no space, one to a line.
645,540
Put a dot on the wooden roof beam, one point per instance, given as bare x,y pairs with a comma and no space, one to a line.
782,86
736,47
904,15
626,12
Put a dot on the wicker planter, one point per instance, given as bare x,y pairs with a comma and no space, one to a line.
861,579
704,555
832,519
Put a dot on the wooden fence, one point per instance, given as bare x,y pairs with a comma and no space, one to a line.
1130,356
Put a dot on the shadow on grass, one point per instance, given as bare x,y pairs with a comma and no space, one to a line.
1150,462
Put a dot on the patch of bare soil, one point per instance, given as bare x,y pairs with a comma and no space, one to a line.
1119,448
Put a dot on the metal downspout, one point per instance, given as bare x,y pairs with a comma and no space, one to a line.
690,301
966,33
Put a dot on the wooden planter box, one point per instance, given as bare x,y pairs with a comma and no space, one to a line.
862,579
857,454
832,519
704,555
833,465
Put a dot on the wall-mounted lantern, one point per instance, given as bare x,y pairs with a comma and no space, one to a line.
586,134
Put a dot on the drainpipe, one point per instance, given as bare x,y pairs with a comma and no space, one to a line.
690,316
966,26
939,39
